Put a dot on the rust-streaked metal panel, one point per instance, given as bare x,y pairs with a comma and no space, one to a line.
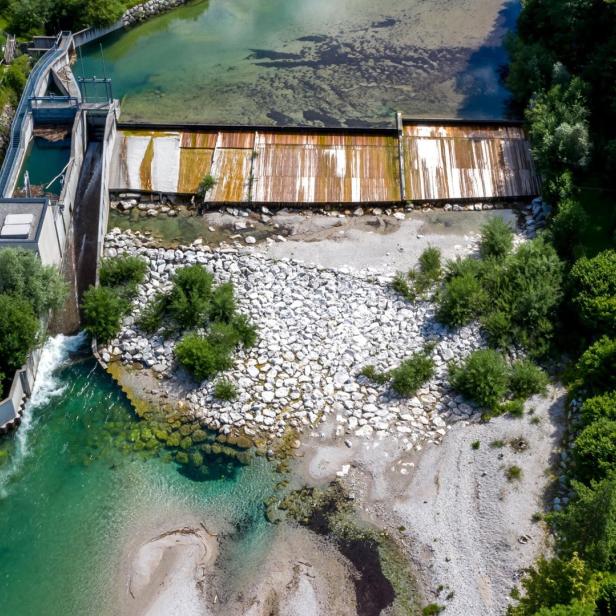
466,162
326,174
465,131
195,163
236,140
199,139
231,170
323,139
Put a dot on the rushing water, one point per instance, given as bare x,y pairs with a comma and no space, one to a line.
70,500
343,62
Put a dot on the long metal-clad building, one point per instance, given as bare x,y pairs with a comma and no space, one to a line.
421,162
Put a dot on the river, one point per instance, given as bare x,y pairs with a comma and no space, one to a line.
70,499
309,62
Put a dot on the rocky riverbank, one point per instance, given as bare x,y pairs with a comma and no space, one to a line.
318,328
144,11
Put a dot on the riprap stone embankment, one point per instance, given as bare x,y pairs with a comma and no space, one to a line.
318,327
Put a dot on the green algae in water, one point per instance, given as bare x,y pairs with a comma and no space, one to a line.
68,504
310,62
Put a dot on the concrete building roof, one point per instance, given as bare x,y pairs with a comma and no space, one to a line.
21,220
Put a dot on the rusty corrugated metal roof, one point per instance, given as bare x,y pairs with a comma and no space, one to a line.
444,162
441,162
195,164
231,170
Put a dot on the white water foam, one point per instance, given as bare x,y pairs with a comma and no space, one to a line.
46,387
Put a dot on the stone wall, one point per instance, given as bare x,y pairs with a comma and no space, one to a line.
141,12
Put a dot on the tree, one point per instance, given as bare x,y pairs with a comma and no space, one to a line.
594,450
588,525
102,310
19,329
599,407
567,228
23,275
596,368
556,582
558,128
593,282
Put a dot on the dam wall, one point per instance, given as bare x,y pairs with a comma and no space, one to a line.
420,161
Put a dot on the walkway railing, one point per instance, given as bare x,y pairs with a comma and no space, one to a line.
11,157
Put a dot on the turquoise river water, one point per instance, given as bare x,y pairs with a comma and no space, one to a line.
70,501
302,62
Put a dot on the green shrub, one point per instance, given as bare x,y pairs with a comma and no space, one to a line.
497,328
567,228
529,291
432,609
475,445
526,379
102,310
207,183
606,600
513,407
593,282
595,450
461,267
190,296
596,368
482,377
370,372
430,263
151,317
23,275
411,374
400,284
556,582
513,473
246,331
599,407
19,330
122,271
587,526
460,301
496,239
202,357
222,303
225,390
577,608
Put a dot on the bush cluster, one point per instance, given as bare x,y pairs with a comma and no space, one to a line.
193,304
486,379
515,296
103,307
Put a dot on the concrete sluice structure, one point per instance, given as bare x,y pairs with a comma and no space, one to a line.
418,162
65,230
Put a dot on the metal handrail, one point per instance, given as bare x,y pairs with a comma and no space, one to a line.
10,158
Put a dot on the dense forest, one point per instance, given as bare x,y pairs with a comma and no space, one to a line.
562,75
26,17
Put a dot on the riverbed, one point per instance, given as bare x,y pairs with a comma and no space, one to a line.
71,501
309,62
